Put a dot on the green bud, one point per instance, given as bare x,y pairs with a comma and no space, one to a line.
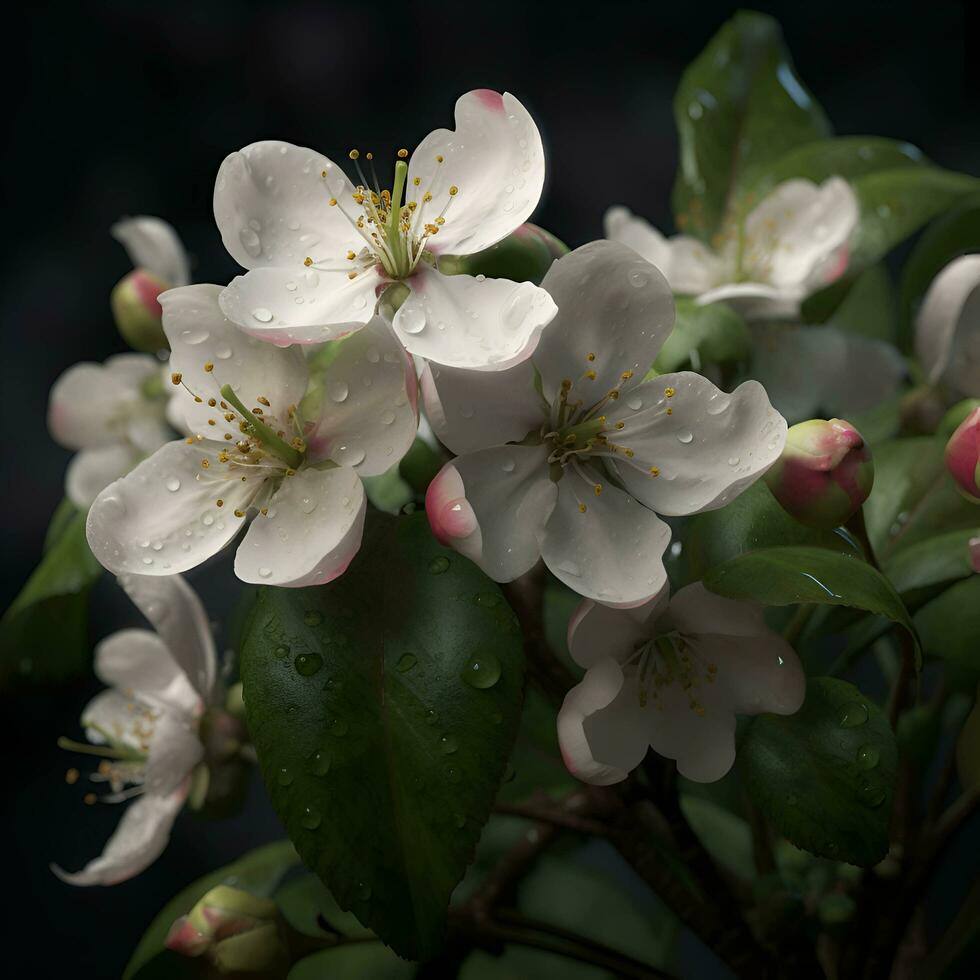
524,256
825,473
136,308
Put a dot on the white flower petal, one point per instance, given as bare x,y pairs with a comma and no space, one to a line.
612,305
471,410
175,749
301,306
610,552
506,497
163,516
90,404
621,225
273,207
137,661
949,319
757,300
471,322
116,718
181,622
199,335
494,157
694,609
137,842
793,231
153,244
707,451
311,533
596,632
368,403
92,470
602,730
694,268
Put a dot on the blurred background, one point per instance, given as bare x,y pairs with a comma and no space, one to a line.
129,108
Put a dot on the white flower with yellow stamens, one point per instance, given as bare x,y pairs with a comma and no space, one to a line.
321,249
253,454
571,455
671,675
146,726
112,414
794,242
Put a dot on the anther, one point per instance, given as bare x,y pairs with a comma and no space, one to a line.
453,191
176,378
351,256
239,513
262,400
402,153
212,402
582,508
205,463
597,489
71,777
354,154
654,471
89,799
590,356
208,366
439,158
220,502
669,392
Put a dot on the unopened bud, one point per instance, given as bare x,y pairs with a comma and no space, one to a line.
825,473
524,256
136,308
236,930
963,455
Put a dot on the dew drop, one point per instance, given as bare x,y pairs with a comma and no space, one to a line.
448,744
265,572
406,662
871,794
453,774
307,664
364,891
852,714
685,437
307,504
482,671
310,818
489,600
250,242
339,727
207,518
508,466
261,314
285,777
222,353
319,763
194,335
638,278
634,403
281,652
173,484
868,756
312,617
338,390
411,319
438,565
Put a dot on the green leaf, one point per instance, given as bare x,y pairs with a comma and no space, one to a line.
713,334
524,256
897,203
44,632
919,525
950,625
726,837
950,235
383,707
361,961
259,872
753,520
784,575
826,775
739,106
388,491
869,307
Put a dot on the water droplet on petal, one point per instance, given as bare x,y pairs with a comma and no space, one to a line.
265,572
250,242
638,278
338,390
411,319
173,484
261,314
685,437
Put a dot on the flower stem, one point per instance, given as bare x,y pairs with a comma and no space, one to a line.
288,454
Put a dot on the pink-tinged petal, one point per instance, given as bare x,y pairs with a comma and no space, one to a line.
605,546
596,632
153,244
471,410
973,548
311,532
496,161
140,838
472,322
366,416
602,729
963,455
693,447
273,207
181,621
615,311
294,305
492,506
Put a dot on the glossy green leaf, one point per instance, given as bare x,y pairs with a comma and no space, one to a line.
739,107
950,625
869,308
897,203
825,776
753,520
259,872
950,235
524,256
383,707
44,632
784,575
919,525
712,334
839,156
369,960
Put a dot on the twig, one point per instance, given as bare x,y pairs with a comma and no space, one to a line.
548,812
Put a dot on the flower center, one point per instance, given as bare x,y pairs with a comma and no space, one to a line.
669,659
120,764
394,223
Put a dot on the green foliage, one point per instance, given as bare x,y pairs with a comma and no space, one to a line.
786,574
825,776
712,334
919,525
44,632
383,707
258,871
950,625
738,108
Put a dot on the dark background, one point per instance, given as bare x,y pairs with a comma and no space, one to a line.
128,108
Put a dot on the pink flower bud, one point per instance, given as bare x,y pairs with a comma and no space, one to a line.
963,455
136,308
825,473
